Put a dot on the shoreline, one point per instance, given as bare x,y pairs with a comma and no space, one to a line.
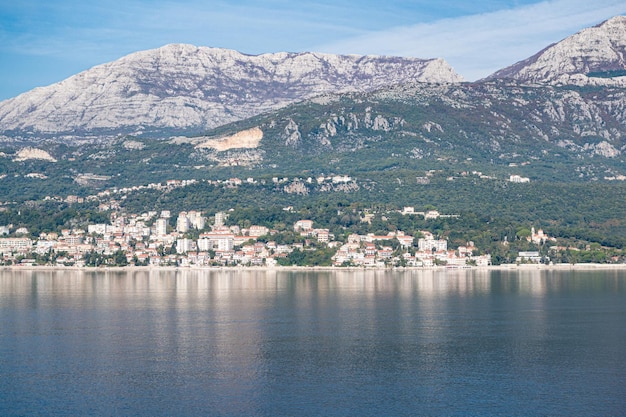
503,267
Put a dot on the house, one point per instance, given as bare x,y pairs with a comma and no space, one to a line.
323,235
405,241
385,252
518,179
256,231
303,225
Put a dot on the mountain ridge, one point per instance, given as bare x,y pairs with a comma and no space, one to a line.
492,124
183,86
182,89
601,48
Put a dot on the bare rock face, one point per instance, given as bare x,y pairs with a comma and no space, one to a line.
593,56
247,139
186,87
33,153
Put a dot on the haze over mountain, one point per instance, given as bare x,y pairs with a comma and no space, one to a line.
186,87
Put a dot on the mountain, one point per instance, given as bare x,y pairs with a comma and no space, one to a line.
547,132
595,55
308,114
183,87
186,128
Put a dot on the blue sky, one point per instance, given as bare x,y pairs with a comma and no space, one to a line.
43,42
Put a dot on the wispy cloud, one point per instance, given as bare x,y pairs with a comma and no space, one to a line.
477,45
44,41
69,27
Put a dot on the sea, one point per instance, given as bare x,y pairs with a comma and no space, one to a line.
467,342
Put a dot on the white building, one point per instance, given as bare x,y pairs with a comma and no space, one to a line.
220,219
15,244
205,244
196,219
427,245
341,179
184,245
225,242
303,225
182,223
518,179
405,240
530,256
323,235
98,229
160,227
217,241
256,231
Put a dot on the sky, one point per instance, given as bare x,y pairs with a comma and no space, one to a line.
44,41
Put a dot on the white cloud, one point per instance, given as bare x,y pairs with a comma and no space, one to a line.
478,45
54,40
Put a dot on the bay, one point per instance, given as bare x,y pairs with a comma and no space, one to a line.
331,343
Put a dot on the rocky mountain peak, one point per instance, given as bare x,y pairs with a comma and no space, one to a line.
183,86
595,55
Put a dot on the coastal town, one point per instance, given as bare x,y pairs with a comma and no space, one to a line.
167,238
149,239
193,239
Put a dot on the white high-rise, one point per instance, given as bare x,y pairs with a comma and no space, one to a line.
160,227
220,218
182,223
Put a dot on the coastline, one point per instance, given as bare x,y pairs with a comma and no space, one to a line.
503,267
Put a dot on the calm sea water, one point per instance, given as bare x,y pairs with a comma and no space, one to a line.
222,343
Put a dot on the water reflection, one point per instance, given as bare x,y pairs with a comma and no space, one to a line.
188,342
193,286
